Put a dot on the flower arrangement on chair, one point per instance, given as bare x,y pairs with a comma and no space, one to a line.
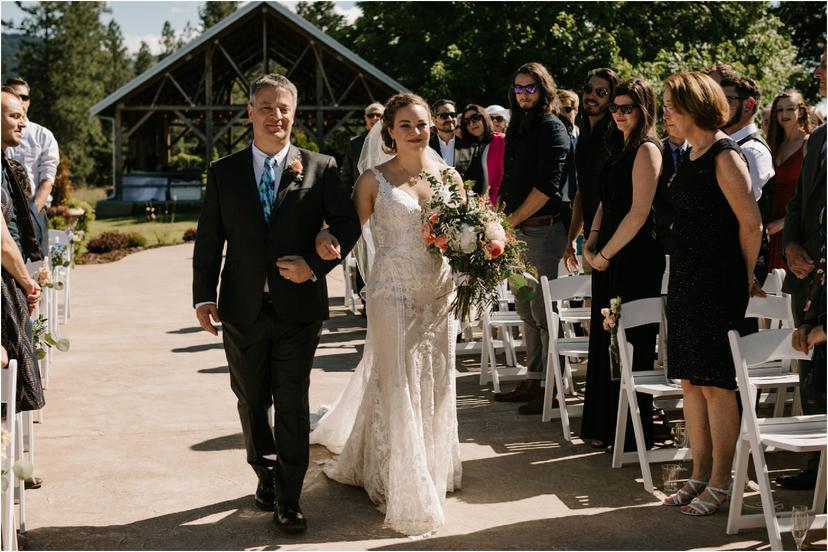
611,317
478,242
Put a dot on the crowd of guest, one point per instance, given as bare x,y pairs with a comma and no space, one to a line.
727,202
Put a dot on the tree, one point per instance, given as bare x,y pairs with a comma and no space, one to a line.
169,42
143,59
324,16
117,70
805,21
211,13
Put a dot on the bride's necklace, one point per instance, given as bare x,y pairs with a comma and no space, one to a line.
411,177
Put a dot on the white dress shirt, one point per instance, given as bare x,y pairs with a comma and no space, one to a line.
259,158
38,153
447,150
759,160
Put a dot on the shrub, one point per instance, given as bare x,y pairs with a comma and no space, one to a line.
63,184
189,234
136,239
87,217
57,222
108,241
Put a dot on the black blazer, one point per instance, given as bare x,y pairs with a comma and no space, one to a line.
464,151
349,171
662,209
232,214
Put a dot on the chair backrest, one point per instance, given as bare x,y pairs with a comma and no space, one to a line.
561,289
665,278
773,307
9,392
753,350
633,314
563,271
58,236
773,282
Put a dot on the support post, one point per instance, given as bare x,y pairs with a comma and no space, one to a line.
118,154
264,41
320,100
208,94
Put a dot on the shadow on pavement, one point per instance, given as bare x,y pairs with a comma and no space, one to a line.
198,348
216,370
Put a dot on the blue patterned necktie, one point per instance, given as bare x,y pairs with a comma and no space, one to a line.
267,188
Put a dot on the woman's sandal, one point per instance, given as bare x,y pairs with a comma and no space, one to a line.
687,493
701,507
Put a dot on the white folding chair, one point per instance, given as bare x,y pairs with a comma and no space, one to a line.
349,270
651,382
9,398
503,320
665,278
62,274
793,434
555,292
773,282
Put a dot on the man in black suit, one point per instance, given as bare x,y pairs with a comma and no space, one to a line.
267,202
801,246
674,152
349,171
455,151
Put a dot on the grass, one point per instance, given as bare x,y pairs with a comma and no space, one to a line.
156,233
89,194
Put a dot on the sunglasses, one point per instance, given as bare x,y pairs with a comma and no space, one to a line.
24,97
626,109
475,118
528,88
447,115
498,118
601,91
373,115
735,98
568,109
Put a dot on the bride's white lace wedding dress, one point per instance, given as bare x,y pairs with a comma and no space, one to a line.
396,423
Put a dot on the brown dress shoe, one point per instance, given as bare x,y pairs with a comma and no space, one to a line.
524,392
535,406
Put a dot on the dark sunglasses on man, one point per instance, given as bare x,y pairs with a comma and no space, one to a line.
568,109
626,109
528,88
474,118
373,115
447,115
601,90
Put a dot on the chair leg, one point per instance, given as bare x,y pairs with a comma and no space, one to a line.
640,444
779,405
796,409
620,430
768,510
819,492
484,353
19,484
734,515
508,345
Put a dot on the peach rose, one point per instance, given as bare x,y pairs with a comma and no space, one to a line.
426,230
434,218
441,242
430,239
296,166
495,249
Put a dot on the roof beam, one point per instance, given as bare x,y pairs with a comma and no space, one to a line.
183,118
233,64
178,86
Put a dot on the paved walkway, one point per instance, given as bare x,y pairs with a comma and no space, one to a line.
141,447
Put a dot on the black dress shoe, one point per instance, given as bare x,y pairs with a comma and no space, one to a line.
289,517
803,481
265,497
524,392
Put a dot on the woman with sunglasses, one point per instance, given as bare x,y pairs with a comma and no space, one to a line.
788,129
717,230
486,168
626,257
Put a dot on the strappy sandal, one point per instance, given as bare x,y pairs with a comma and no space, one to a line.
701,507
686,494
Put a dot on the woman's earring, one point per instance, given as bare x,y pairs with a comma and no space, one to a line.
393,144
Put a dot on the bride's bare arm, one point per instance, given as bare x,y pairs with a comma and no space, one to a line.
365,195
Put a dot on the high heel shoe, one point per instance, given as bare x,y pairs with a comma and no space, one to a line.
701,507
686,494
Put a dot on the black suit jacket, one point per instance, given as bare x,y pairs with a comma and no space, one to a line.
464,151
802,214
662,209
349,171
232,214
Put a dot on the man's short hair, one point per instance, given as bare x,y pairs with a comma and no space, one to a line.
17,81
745,88
443,102
564,94
724,69
273,80
374,107
608,75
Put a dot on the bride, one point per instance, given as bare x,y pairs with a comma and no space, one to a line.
395,425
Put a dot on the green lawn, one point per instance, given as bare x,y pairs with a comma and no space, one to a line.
156,233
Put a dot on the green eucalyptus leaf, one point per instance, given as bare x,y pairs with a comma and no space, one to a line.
525,293
517,281
49,340
40,354
63,345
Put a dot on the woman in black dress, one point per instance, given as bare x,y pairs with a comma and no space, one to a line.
626,258
717,231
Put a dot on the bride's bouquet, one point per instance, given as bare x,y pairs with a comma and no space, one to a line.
478,242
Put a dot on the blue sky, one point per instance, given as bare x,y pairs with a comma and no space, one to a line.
143,20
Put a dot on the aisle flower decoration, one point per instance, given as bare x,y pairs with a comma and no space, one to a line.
478,242
611,317
43,338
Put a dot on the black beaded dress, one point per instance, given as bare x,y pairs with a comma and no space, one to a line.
635,272
708,292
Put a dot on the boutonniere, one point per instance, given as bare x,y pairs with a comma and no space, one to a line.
295,169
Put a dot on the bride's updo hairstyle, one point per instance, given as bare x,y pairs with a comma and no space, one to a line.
397,102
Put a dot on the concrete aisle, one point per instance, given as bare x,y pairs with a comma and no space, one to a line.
141,447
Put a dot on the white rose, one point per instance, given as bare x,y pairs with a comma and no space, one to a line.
467,239
494,231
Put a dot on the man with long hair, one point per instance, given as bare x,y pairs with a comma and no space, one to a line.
537,144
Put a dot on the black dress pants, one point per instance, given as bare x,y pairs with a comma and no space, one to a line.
270,363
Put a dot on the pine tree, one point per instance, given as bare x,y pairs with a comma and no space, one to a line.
143,59
169,42
118,68
211,13
324,16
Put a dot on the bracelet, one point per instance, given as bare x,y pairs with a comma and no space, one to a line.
594,230
601,254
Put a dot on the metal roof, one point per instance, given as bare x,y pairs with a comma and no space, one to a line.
216,30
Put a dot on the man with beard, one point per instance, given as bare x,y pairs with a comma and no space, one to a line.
455,151
537,145
591,154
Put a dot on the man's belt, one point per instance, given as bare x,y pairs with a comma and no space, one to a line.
547,220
